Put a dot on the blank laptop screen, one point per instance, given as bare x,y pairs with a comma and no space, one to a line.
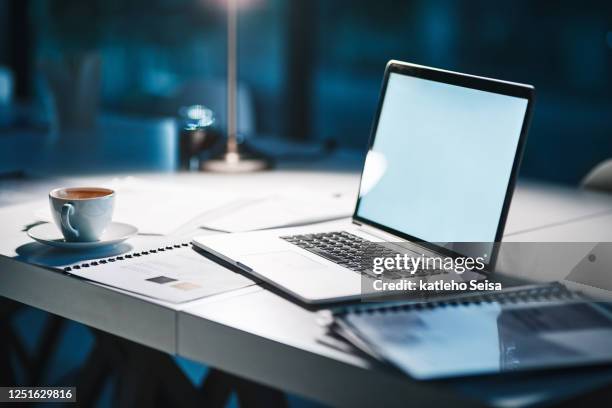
441,160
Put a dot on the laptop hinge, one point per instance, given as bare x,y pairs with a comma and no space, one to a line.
377,232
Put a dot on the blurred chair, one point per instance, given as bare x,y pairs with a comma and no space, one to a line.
147,377
219,385
600,178
13,353
119,143
213,95
143,377
9,344
136,143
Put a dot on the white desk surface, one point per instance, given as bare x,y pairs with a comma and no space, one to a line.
537,205
259,334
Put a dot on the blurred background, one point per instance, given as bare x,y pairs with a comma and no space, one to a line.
310,70
119,79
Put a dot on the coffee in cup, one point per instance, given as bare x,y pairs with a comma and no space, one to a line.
82,213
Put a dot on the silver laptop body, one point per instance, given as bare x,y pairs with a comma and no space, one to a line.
440,170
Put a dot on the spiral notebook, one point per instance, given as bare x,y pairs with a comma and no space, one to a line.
528,328
173,273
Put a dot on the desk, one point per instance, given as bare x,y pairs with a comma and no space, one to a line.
265,337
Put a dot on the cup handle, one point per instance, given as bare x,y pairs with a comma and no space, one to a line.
67,211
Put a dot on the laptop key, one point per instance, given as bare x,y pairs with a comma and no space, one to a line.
349,251
326,255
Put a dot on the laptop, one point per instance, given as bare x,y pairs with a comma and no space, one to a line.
439,172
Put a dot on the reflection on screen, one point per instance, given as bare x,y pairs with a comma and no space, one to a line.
441,160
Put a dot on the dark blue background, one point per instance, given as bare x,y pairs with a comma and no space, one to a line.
314,66
314,69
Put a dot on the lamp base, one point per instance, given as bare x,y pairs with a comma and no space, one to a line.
236,162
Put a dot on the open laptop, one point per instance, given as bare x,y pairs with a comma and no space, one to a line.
443,156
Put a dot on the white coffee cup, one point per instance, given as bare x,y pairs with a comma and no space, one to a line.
82,213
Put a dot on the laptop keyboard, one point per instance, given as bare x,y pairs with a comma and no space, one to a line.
350,251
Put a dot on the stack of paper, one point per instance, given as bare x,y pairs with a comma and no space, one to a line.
291,208
524,328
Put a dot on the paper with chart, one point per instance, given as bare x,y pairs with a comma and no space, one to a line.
174,275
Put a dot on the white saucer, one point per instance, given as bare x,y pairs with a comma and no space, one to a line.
49,234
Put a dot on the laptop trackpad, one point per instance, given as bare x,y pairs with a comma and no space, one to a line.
286,260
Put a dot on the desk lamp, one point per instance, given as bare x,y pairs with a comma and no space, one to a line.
235,158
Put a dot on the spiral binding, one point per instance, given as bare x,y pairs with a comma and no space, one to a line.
553,291
124,257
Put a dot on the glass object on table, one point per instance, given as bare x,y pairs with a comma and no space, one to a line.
198,134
